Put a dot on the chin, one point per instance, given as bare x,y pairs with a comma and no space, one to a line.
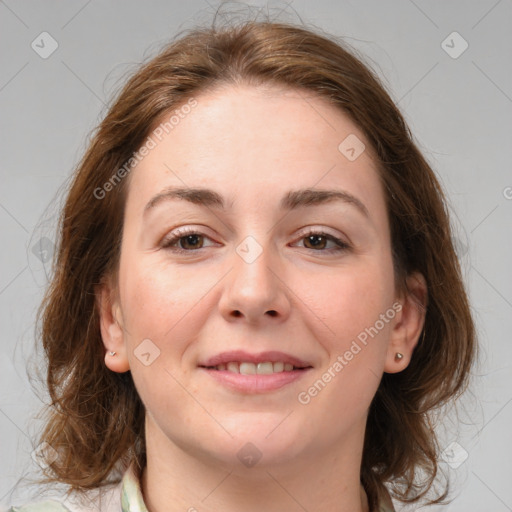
262,443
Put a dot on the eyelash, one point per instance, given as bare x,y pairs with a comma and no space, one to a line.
182,233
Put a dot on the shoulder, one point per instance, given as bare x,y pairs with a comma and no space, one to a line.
105,499
385,503
41,506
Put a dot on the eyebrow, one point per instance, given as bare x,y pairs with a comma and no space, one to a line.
292,200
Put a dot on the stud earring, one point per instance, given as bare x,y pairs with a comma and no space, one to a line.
398,356
112,353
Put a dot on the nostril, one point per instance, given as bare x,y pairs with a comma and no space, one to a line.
272,312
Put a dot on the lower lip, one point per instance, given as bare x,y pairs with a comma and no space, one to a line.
255,383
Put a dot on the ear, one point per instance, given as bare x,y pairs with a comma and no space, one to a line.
408,324
111,327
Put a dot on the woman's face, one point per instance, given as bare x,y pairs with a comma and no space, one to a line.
251,236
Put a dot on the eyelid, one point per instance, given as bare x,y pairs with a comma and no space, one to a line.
178,233
341,242
173,238
317,230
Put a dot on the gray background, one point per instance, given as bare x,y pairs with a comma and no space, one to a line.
458,108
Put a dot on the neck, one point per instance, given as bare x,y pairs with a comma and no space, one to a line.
177,478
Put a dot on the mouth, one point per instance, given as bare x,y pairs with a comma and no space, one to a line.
263,363
255,373
248,368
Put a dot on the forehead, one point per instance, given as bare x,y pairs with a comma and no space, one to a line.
257,140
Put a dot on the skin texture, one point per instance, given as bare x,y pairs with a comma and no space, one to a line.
253,145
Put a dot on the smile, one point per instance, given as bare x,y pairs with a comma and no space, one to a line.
248,368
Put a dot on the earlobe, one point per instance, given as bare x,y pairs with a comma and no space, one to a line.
408,325
111,328
116,362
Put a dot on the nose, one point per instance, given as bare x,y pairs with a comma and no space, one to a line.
255,291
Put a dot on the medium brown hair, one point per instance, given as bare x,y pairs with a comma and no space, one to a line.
96,418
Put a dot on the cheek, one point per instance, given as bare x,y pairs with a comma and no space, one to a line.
157,298
350,328
158,306
349,301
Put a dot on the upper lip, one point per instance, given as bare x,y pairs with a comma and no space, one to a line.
262,357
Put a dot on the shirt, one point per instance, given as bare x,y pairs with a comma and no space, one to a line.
125,496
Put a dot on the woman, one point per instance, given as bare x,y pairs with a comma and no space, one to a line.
257,304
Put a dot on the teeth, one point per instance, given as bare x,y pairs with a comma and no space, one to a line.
278,367
232,367
247,368
266,368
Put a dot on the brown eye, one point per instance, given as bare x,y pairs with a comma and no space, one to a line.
315,241
194,241
319,242
185,240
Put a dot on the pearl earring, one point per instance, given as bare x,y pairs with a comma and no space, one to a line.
398,356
